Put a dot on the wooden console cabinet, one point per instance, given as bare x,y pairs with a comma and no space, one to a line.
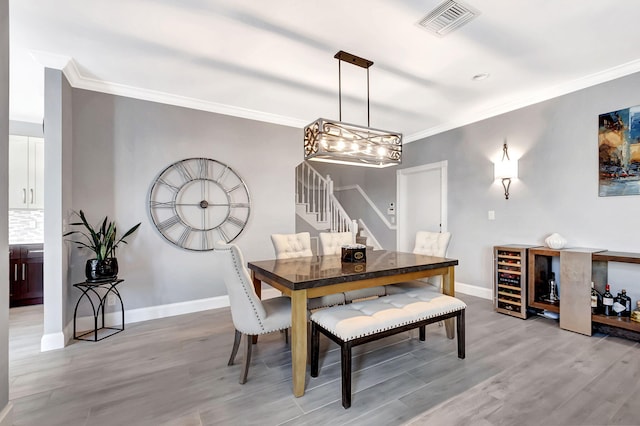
619,325
25,274
578,267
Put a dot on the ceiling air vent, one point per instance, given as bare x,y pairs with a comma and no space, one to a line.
447,17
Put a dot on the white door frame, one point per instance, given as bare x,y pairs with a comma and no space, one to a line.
401,198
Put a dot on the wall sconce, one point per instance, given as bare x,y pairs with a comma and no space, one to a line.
505,169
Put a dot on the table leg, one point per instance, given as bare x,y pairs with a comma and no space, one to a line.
299,340
257,286
448,287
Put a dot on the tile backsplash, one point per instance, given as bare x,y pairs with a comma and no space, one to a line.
26,226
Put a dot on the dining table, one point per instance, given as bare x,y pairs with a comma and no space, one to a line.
314,276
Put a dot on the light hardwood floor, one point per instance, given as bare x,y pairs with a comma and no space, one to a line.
173,371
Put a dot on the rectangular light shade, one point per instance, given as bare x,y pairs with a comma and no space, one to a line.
342,143
505,169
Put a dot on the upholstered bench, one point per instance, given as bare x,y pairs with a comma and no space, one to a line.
364,321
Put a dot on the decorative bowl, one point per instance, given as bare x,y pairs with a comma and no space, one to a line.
555,241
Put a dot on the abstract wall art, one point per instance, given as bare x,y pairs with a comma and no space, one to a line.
619,152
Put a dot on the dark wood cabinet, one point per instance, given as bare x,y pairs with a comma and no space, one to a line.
25,274
540,270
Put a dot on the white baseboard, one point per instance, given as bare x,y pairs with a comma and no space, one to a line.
56,340
6,415
161,311
52,341
474,290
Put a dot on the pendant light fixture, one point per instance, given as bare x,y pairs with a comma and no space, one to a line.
337,142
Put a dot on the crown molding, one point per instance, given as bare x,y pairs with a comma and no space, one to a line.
68,66
77,80
50,60
540,96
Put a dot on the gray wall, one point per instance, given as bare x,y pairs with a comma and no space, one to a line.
557,190
57,201
121,144
380,187
4,203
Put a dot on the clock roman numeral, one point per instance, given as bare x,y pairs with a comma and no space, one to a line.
205,240
223,174
239,205
203,168
168,185
229,191
237,222
162,204
184,237
223,235
168,223
184,171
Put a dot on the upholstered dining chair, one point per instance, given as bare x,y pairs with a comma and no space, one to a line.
251,316
290,246
429,244
331,244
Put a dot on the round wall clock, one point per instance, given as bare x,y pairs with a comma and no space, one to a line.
197,201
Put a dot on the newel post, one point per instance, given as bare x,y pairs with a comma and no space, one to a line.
354,230
327,195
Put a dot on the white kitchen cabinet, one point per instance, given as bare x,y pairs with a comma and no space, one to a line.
26,172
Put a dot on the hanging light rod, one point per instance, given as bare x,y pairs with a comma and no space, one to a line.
337,142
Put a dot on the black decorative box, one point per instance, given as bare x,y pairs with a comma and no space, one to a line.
355,253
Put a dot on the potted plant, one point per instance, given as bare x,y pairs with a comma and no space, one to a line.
103,241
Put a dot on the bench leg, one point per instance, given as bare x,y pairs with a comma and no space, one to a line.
346,374
460,332
315,349
423,333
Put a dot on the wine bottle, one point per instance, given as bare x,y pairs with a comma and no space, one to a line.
596,300
607,302
626,301
553,295
618,305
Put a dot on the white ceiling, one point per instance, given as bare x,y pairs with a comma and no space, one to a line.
272,60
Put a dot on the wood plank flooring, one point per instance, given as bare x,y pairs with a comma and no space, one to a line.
173,371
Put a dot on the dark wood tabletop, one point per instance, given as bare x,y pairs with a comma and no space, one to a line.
317,271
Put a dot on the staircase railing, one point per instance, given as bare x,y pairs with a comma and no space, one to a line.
316,192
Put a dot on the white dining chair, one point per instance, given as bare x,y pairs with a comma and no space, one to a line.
251,316
331,244
428,244
290,246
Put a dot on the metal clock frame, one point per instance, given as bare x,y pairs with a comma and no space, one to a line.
176,178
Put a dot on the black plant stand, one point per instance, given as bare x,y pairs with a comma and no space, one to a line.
98,299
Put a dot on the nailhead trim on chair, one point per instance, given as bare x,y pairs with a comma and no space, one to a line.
240,277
